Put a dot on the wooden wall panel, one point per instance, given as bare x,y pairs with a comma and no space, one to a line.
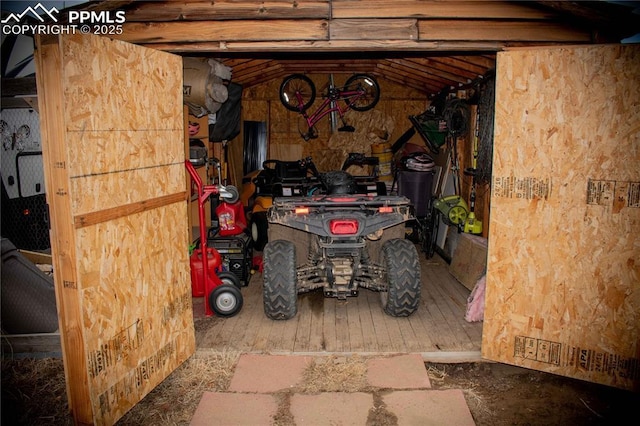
563,275
109,92
112,137
136,308
147,147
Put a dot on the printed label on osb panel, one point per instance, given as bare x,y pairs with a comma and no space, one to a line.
117,390
586,360
115,349
135,379
123,344
613,194
176,308
526,188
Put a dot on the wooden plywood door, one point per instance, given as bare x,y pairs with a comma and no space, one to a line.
563,273
113,145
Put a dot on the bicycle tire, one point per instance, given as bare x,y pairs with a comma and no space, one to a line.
297,83
372,92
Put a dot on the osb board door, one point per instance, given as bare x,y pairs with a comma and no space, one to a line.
112,136
563,273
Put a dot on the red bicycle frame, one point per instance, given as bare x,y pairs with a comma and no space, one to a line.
322,111
360,92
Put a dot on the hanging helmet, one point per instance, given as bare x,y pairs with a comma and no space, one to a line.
338,182
194,128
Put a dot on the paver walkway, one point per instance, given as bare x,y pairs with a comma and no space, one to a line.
266,386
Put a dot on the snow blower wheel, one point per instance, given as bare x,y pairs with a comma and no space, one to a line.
225,300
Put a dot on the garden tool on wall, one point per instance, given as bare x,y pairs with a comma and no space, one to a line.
471,224
454,210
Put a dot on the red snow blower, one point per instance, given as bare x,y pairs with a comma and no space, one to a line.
220,288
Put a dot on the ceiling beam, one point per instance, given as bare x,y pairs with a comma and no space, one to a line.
228,10
221,31
363,32
437,9
484,30
286,46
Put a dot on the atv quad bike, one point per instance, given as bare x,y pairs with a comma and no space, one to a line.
339,241
292,179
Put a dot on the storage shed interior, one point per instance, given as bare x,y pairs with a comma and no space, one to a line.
425,55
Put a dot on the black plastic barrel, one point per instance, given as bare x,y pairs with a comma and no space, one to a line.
417,187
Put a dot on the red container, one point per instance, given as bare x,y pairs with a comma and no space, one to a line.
231,219
197,268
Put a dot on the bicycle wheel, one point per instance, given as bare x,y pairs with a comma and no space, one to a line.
370,88
297,92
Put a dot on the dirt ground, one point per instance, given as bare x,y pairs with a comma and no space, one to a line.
33,393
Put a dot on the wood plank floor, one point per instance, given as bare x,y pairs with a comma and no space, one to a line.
438,330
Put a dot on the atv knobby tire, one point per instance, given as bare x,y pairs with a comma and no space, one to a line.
280,296
403,275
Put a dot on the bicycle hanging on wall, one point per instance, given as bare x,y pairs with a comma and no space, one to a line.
360,92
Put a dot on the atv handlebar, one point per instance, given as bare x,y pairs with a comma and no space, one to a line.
307,164
287,169
359,159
